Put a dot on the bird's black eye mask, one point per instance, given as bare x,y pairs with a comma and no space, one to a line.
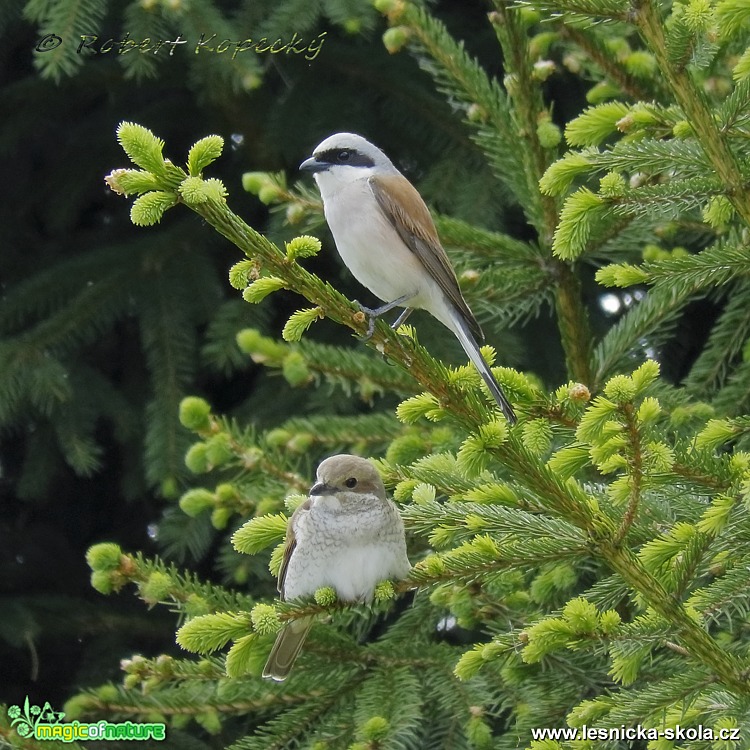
344,156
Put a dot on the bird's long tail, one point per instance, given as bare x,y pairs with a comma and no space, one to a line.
463,333
286,649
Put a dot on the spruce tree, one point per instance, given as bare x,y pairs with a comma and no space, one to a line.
585,568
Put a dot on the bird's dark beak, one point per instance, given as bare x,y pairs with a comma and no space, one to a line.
320,488
312,165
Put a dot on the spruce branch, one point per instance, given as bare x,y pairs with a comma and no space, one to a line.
648,20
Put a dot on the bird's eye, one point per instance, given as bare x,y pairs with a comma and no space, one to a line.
351,483
344,155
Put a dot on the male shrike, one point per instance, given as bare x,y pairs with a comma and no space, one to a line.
387,239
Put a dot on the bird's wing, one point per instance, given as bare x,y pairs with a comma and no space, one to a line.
291,543
406,210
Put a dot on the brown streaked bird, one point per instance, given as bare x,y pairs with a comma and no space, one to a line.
386,237
347,535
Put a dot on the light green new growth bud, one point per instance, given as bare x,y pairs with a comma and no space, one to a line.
252,182
621,275
107,693
568,461
220,518
195,501
541,71
196,605
595,124
142,146
649,410
155,588
101,581
468,664
423,494
374,730
131,181
549,134
581,615
595,419
209,720
545,637
260,289
193,192
609,622
659,457
476,113
682,129
433,565
325,596
603,91
301,442
479,733
295,369
699,15
474,453
396,38
645,375
353,26
620,389
384,591
387,7
219,449
214,190
104,556
241,273
413,408
303,246
259,533
148,209
716,433
741,70
718,212
299,322
278,437
270,193
587,712
203,152
404,490
196,458
537,436
612,185
560,175
261,349
641,64
195,413
580,212
265,619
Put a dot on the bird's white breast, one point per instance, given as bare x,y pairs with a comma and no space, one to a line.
349,551
370,246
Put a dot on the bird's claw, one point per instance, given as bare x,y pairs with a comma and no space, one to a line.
371,316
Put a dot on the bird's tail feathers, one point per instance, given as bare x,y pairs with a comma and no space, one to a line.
286,649
470,346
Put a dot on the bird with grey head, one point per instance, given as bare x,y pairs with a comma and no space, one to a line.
347,535
386,237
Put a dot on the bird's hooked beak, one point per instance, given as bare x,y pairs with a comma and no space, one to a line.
313,165
321,488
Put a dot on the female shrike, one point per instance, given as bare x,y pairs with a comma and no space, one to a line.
387,239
